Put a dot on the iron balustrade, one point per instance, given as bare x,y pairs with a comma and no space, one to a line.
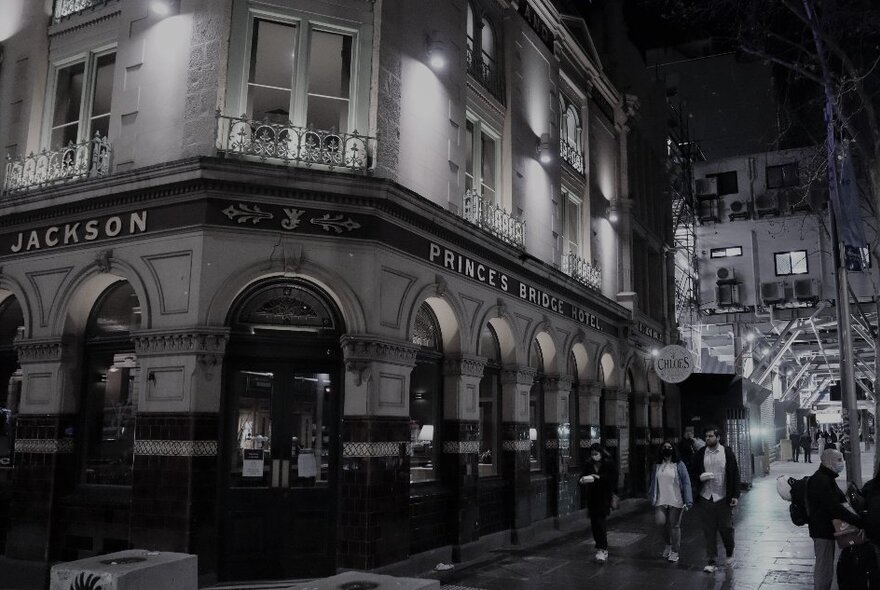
582,271
482,67
76,161
67,7
572,155
292,145
494,219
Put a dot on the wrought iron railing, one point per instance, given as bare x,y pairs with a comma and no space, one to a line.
582,271
76,161
291,145
484,69
572,155
494,219
67,7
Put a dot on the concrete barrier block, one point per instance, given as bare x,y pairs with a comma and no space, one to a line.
367,581
136,569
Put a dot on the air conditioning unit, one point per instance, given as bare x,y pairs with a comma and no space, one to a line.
706,188
767,204
773,292
727,294
707,212
725,274
806,289
739,210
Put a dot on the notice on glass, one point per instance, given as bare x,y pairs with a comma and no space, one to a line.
253,463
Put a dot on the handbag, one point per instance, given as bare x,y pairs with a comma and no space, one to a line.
848,535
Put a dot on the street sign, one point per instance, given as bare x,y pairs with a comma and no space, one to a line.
674,364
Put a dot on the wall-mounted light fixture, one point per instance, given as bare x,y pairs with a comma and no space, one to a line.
533,434
750,337
163,8
543,149
655,352
435,51
612,213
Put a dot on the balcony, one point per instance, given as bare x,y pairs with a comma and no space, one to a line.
571,155
582,271
294,146
484,69
77,161
65,8
493,219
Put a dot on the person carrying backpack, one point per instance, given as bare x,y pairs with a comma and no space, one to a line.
825,503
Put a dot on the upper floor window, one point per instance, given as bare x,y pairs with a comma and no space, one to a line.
81,96
727,184
572,216
726,252
482,152
482,52
300,73
782,176
570,134
791,263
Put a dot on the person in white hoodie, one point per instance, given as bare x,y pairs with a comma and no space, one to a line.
670,493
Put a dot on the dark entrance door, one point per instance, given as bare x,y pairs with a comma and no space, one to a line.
280,517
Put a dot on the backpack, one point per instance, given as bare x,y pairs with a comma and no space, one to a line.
798,510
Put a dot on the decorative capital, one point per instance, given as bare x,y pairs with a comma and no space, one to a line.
466,366
521,375
557,382
366,349
208,344
45,350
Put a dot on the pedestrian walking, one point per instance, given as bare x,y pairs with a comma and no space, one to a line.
670,494
825,503
687,447
795,438
600,480
807,446
716,473
821,440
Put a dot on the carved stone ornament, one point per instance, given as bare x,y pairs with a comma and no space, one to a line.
39,351
466,366
103,260
373,349
557,383
520,375
440,286
209,344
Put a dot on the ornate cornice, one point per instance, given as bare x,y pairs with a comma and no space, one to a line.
208,344
366,349
465,366
45,350
558,383
521,375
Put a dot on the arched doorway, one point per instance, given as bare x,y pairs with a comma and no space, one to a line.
281,433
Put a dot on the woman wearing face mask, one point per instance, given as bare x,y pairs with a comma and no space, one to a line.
600,482
670,494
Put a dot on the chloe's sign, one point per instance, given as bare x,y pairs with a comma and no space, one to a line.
89,230
674,364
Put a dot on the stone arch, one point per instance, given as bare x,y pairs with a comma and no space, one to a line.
504,325
634,372
12,288
582,361
449,317
607,368
506,340
549,351
336,288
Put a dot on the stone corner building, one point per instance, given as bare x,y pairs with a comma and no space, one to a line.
308,285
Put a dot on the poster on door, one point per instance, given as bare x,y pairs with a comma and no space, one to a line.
252,463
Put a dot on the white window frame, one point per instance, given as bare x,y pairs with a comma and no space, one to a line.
727,252
568,196
790,255
90,59
481,127
305,22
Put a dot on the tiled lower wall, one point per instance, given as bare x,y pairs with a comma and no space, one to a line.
493,513
429,519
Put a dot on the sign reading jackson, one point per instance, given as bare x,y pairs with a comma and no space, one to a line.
74,232
674,364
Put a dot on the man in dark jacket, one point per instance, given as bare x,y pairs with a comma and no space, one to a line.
795,438
824,503
807,446
716,480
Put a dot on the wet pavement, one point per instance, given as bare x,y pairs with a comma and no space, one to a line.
771,553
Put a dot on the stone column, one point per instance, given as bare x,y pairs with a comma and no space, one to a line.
459,462
557,443
516,384
589,429
615,401
643,452
178,428
655,419
375,451
45,466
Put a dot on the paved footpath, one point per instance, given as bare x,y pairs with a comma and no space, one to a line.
771,553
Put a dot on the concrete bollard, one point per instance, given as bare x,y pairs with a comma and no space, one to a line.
136,569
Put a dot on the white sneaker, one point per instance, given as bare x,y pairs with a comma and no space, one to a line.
667,551
602,555
710,568
673,557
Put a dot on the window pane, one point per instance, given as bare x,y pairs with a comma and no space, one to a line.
272,54
573,225
328,113
110,407
783,264
68,99
469,155
425,382
100,125
308,409
330,64
487,154
104,66
118,314
269,104
799,262
251,465
488,41
727,183
488,432
536,396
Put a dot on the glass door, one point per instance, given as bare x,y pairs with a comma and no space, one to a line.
280,501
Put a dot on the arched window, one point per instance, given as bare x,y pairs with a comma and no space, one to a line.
570,134
10,320
425,391
490,402
536,408
482,51
109,401
284,306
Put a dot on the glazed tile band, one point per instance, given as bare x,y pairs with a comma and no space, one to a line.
375,449
457,447
516,445
45,446
176,448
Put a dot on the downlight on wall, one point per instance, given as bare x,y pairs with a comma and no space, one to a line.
435,51
543,149
163,8
612,213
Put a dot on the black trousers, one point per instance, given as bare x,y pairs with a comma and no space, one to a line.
796,451
716,519
807,455
599,524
